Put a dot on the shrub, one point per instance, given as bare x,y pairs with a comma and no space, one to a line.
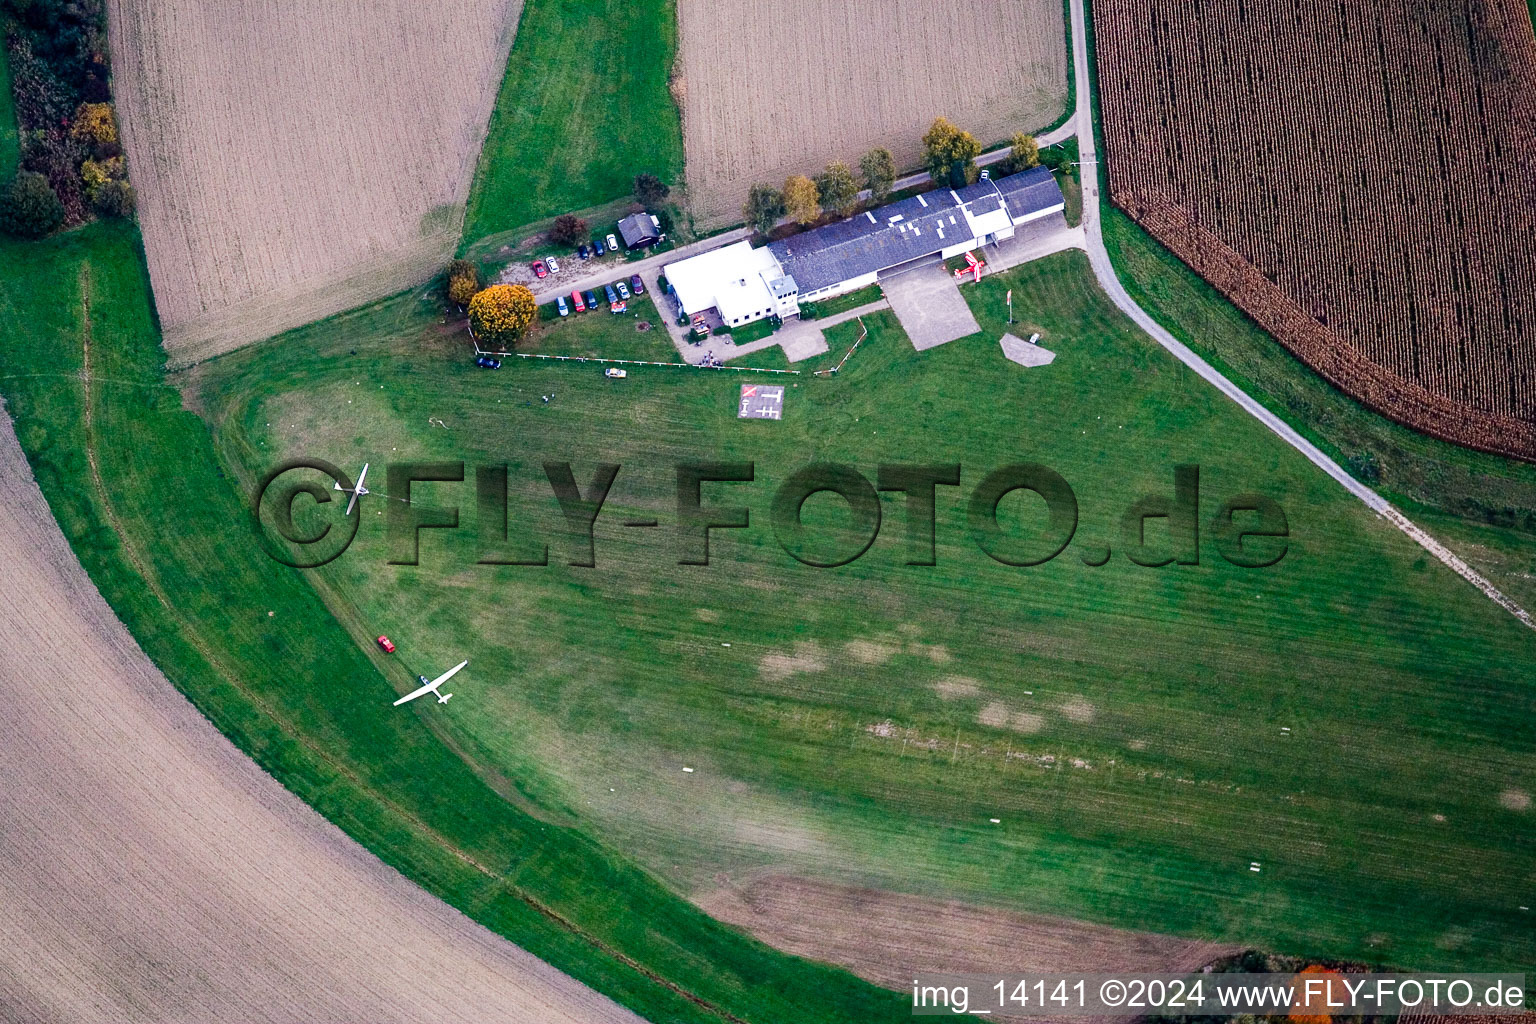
568,229
502,314
96,173
29,208
116,199
463,282
97,124
650,189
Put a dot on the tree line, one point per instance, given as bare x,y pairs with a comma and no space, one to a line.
949,156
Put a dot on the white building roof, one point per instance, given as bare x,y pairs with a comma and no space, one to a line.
730,278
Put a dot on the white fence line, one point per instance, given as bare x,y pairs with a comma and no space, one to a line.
863,333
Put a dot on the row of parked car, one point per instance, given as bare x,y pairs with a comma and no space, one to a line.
617,295
550,265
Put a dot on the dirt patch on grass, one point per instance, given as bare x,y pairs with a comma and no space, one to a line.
1078,709
998,715
293,164
778,665
886,937
956,687
1515,799
870,652
776,87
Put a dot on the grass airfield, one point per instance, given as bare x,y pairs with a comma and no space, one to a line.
866,722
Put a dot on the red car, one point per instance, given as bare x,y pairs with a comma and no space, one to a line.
576,300
384,642
538,269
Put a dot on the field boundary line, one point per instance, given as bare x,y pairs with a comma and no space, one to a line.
1104,270
632,362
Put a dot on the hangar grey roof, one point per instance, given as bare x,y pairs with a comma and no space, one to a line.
1029,191
901,231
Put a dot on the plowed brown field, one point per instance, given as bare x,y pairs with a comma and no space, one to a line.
886,937
770,89
1361,179
297,159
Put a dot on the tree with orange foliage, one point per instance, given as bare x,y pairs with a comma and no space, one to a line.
501,314
1312,1000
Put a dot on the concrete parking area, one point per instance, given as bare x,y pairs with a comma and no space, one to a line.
928,303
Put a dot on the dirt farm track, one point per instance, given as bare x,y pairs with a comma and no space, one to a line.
150,872
294,160
770,89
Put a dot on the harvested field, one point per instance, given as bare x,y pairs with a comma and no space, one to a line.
294,162
152,873
1361,181
885,937
811,83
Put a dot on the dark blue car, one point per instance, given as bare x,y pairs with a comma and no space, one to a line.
487,363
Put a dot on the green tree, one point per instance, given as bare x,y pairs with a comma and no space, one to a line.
501,314
1025,153
879,170
764,207
650,190
802,202
29,207
838,189
568,229
950,154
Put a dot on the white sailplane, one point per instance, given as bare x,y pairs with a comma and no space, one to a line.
432,687
356,492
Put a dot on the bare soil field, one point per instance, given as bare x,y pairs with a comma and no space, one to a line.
292,161
886,936
151,872
773,89
1363,186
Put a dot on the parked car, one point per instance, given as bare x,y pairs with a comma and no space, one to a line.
636,285
623,291
488,363
578,302
619,307
613,296
584,252
613,243
615,373
554,268
591,297
384,642
597,247
538,269
560,304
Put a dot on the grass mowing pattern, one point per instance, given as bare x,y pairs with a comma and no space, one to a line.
1407,691
584,108
299,693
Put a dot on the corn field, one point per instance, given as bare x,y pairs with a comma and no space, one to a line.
1359,178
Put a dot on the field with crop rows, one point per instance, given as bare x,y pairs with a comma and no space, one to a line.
290,166
1361,181
803,84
